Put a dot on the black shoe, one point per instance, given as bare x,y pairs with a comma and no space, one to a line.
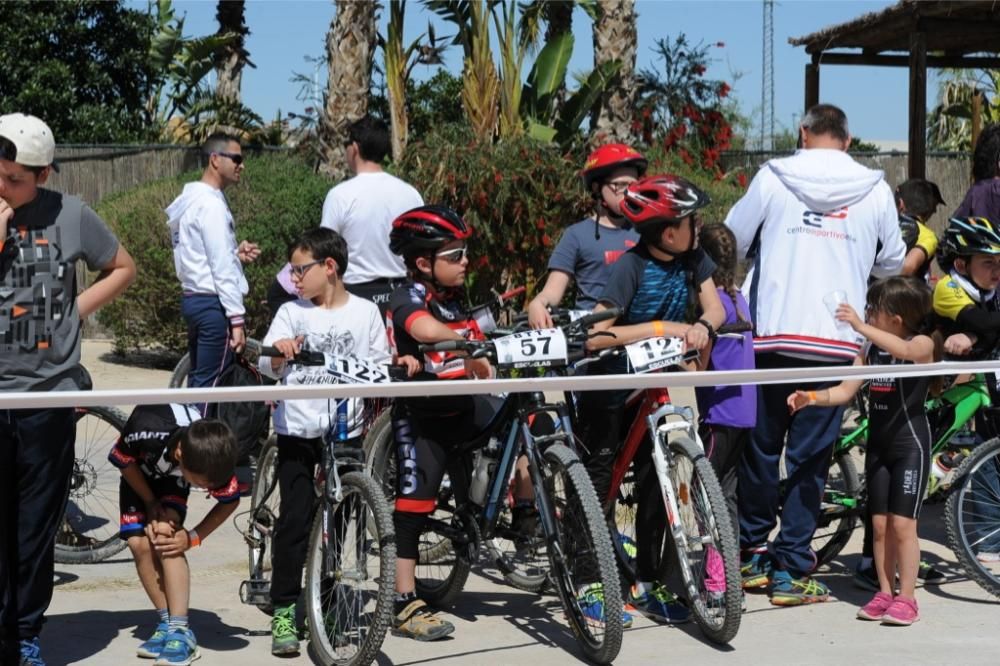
929,574
866,578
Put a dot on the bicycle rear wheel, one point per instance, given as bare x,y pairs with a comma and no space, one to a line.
89,529
840,509
621,517
580,552
521,558
178,379
706,546
264,504
972,515
351,575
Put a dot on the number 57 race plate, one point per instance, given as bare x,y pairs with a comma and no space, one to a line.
532,349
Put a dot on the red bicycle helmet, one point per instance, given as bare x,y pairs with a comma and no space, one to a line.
609,157
426,229
660,200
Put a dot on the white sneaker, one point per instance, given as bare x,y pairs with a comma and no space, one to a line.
988,556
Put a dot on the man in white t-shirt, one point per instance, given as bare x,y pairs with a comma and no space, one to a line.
361,209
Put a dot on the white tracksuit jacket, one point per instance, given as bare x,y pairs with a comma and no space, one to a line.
826,223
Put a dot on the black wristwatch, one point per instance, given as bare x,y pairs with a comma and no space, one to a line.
712,335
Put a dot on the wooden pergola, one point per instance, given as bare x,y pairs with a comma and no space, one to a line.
913,34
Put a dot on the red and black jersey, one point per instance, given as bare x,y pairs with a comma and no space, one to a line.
150,439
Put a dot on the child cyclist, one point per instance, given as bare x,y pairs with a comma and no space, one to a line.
664,287
325,318
587,249
429,308
727,413
967,303
162,452
897,460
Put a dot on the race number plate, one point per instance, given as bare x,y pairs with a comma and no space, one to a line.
350,370
532,349
654,353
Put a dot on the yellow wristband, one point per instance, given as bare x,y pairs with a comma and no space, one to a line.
812,397
659,329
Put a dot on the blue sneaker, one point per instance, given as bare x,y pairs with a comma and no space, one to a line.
154,645
31,654
660,605
591,600
786,590
180,649
755,568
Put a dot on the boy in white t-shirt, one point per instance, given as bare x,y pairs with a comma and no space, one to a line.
325,318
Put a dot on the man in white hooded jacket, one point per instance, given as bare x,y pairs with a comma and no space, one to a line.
208,261
813,224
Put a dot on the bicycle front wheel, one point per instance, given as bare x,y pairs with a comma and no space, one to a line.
972,514
351,575
89,529
581,556
705,541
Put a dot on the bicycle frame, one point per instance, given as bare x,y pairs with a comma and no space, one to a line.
651,401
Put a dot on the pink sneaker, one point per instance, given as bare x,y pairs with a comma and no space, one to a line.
715,571
876,608
902,612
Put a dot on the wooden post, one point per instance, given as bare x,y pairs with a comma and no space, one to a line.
812,84
977,117
918,105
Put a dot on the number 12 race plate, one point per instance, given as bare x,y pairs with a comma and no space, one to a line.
654,353
532,349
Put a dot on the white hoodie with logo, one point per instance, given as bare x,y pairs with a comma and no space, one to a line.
826,223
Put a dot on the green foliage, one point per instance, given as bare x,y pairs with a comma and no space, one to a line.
520,194
278,198
80,66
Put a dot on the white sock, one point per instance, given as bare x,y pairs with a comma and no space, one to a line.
641,587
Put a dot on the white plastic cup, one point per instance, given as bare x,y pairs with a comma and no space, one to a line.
832,302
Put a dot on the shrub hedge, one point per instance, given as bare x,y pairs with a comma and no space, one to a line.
519,194
279,196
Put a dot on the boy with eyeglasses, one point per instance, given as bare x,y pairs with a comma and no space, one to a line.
325,318
208,261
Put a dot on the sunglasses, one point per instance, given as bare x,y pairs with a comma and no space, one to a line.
454,256
300,270
235,157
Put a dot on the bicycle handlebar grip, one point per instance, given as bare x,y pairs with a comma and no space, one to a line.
507,295
446,346
738,327
270,351
586,321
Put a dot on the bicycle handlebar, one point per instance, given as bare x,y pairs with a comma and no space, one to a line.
396,373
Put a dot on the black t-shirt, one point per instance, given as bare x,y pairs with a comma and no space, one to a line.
150,440
410,302
648,289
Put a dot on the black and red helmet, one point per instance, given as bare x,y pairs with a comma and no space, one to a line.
659,200
426,228
609,157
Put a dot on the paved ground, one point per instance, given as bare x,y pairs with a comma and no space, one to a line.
99,613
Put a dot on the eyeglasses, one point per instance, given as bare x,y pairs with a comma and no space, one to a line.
618,186
235,157
300,270
454,256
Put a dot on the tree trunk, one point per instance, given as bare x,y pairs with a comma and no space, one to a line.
230,60
615,38
350,50
558,21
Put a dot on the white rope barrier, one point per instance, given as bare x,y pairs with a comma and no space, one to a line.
39,400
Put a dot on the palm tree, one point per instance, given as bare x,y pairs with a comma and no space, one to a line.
231,58
350,50
615,39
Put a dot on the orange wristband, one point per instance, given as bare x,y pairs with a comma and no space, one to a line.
812,397
194,539
659,329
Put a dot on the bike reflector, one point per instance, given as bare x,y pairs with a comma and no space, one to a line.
539,348
655,353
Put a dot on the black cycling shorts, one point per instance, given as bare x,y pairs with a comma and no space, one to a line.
171,491
896,474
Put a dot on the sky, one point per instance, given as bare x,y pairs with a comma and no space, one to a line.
284,33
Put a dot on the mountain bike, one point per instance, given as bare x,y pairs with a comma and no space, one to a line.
473,507
350,567
705,546
844,497
89,529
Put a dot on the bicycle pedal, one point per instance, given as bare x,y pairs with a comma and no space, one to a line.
256,592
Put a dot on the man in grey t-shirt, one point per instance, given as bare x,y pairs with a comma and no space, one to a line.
44,234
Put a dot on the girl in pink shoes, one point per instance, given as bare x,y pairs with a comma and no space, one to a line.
897,461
